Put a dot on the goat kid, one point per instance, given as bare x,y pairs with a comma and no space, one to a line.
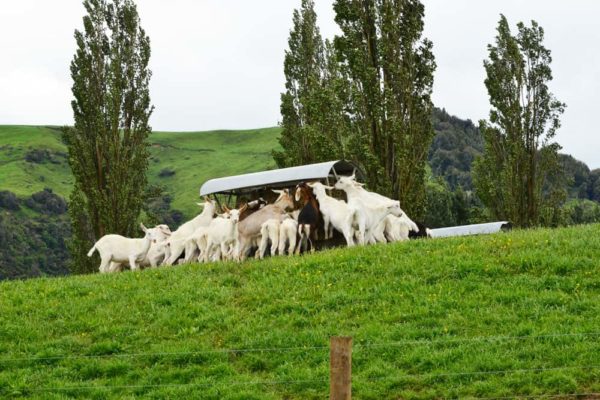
155,254
222,234
249,228
119,249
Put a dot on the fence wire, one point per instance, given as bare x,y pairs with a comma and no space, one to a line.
280,382
534,396
301,348
177,385
475,339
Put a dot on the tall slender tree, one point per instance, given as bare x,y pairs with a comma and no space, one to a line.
108,149
390,69
520,156
312,120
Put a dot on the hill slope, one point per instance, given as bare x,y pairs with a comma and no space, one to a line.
419,312
33,158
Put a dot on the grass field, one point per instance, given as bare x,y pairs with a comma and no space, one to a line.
194,156
491,316
24,178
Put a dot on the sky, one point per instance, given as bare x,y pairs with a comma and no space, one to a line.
218,64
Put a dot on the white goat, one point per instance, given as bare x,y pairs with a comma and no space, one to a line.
379,230
195,244
178,238
249,228
338,213
373,208
398,228
119,249
156,252
269,232
287,236
222,234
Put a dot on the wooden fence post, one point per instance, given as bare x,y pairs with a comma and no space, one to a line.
340,368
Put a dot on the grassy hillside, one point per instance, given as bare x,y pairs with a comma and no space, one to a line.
24,177
198,156
458,317
194,157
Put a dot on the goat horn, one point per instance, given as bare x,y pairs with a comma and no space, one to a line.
143,227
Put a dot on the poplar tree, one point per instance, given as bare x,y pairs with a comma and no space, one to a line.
520,159
389,66
108,147
310,110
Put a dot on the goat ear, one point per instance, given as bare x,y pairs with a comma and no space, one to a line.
328,187
277,191
353,176
143,227
201,204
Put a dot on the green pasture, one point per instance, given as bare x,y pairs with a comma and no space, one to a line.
194,157
510,314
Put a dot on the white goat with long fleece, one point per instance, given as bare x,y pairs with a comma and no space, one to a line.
269,232
177,240
287,236
373,208
338,213
121,249
155,254
222,234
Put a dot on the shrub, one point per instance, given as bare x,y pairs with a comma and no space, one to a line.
166,172
9,201
46,202
38,156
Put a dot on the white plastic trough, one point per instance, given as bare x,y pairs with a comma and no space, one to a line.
475,229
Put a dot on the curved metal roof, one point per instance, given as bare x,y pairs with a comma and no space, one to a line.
279,178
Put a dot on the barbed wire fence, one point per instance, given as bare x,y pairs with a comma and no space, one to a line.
7,361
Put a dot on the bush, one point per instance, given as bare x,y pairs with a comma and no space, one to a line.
166,173
33,246
46,202
38,156
9,201
439,205
582,212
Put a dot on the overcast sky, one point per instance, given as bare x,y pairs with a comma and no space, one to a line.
219,63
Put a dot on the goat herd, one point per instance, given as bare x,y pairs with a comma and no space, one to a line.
367,217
